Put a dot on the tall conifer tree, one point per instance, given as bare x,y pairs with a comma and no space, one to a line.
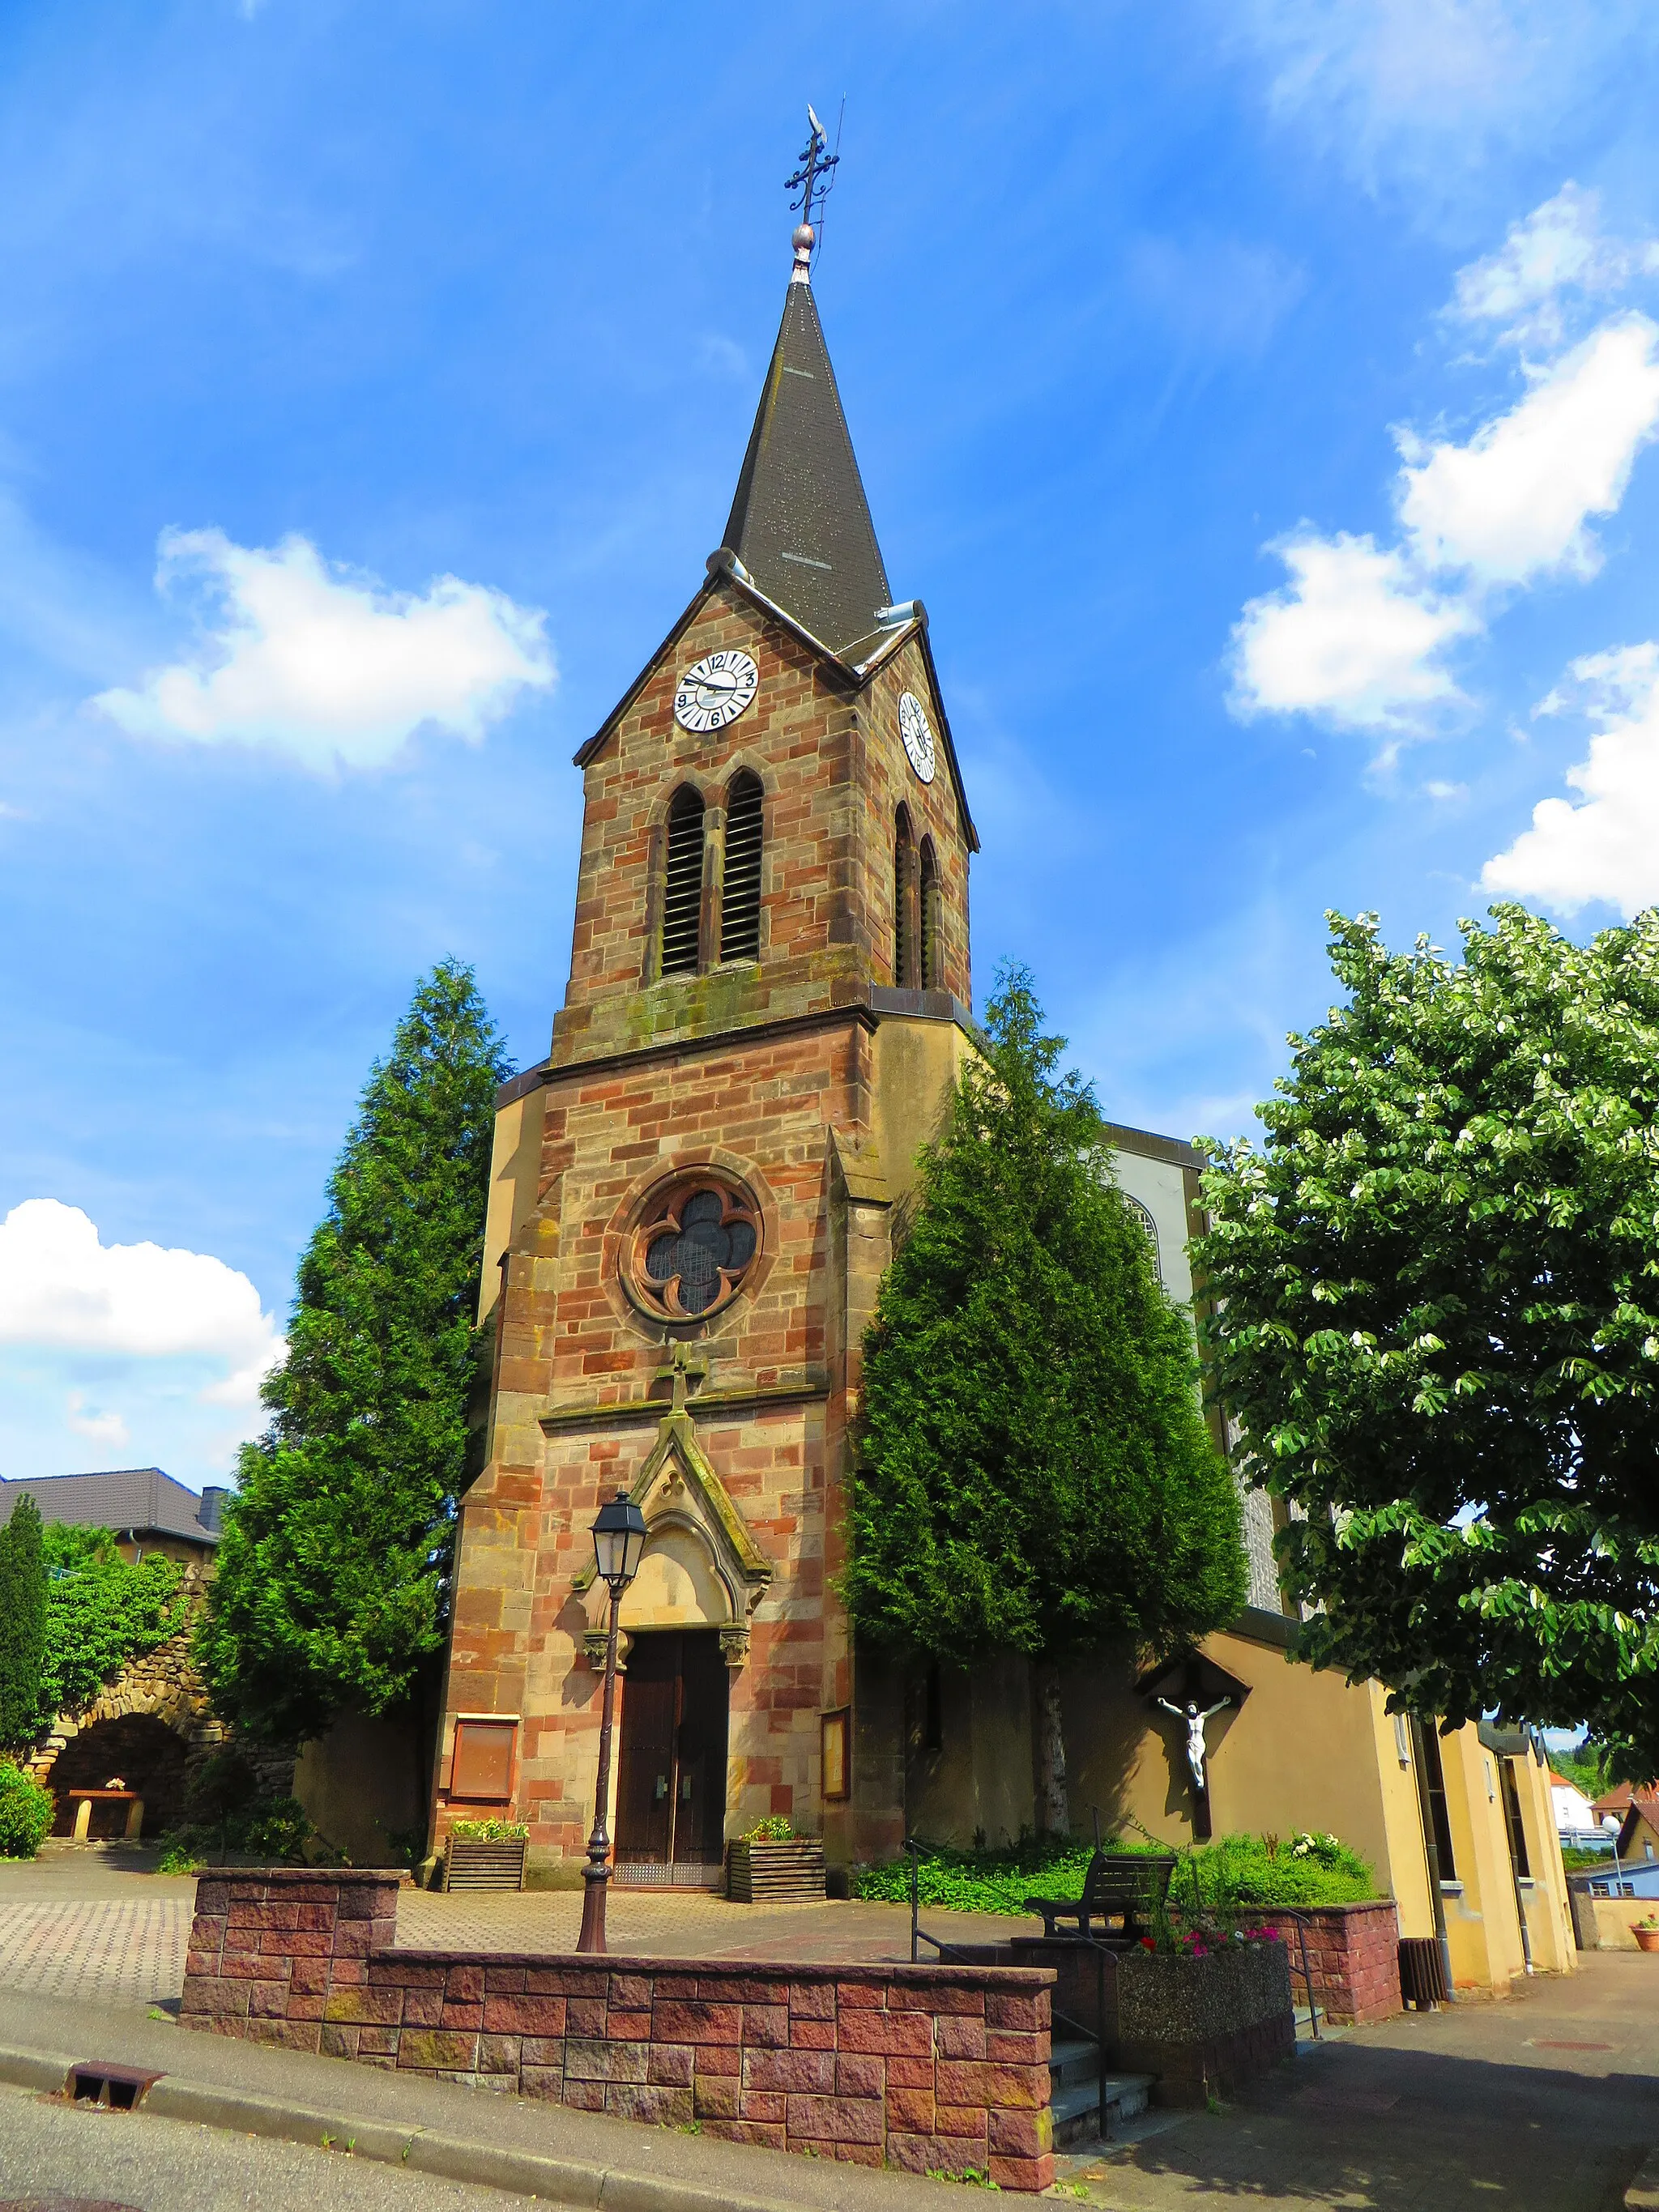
22,1625
1036,1474
332,1582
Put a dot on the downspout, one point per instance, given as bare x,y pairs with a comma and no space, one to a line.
1430,1853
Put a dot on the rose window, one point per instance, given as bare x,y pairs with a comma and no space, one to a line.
693,1250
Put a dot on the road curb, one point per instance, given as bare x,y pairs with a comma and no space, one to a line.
581,2182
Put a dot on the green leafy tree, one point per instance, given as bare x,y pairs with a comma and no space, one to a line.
22,1624
1437,1323
330,1590
101,1611
1035,1475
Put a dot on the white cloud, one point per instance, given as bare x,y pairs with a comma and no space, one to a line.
1557,248
325,664
1512,503
102,1428
1607,849
1354,637
1438,789
61,1286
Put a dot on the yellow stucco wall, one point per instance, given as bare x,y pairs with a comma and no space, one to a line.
515,1164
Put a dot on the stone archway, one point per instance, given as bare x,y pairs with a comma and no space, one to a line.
137,1752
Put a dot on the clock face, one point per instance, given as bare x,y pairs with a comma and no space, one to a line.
917,736
716,692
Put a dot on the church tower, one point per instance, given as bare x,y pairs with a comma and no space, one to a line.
693,1194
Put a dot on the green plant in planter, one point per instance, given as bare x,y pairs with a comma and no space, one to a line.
776,1828
489,1831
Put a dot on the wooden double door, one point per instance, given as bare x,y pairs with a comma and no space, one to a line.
671,1779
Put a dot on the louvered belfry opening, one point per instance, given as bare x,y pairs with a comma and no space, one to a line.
905,930
740,896
932,976
682,905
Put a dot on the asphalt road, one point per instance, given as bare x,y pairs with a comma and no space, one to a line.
49,2151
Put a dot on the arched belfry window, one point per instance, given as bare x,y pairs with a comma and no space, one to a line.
906,920
932,951
682,905
740,890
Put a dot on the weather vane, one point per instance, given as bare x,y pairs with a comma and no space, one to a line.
812,182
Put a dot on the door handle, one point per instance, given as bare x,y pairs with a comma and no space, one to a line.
662,1788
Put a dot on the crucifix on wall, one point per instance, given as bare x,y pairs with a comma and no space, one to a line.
1192,1690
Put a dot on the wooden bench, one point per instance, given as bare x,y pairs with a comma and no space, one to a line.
1121,1887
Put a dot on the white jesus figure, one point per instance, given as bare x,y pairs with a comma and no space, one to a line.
1193,1720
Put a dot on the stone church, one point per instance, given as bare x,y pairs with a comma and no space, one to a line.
694,1199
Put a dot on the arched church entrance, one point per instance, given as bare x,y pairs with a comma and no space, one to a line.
131,1758
671,1762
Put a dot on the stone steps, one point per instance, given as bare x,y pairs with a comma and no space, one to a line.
1074,2093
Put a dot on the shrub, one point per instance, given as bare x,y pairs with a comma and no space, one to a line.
489,1831
1233,1874
25,1813
776,1828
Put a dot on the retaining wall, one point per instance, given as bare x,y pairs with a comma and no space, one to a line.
924,2068
1354,1956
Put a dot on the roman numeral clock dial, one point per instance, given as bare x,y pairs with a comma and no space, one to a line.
918,736
715,691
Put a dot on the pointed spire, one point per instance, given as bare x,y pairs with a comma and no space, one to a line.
801,523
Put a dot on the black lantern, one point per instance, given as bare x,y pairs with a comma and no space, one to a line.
618,1540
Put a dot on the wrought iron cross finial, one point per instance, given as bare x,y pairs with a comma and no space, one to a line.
812,181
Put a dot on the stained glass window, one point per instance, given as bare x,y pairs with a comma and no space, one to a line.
695,1248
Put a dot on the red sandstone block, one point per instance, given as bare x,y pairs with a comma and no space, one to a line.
589,2060
906,2035
697,2023
338,2042
911,2074
296,1943
814,2034
207,1929
767,2105
1010,2047
1022,2135
925,2154
765,2026
910,2111
671,2064
498,2054
673,1989
1007,2009
519,2015
267,2001
642,2100
201,1966
243,1967
860,2077
584,2096
557,1982
504,1981
378,2043
544,2050
429,2050
629,1993
966,2121
748,2131
835,2119
212,1898
716,2098
811,2000
315,1918
544,2081
955,2038
220,1999
355,1939
801,2070
460,2015
584,2016
859,1997
938,1998
463,1984
305,2004
382,2006
1029,2174
628,2027
718,2058
394,1972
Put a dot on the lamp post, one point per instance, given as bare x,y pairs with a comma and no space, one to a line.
618,1540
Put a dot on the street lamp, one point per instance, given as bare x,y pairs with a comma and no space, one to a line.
618,1540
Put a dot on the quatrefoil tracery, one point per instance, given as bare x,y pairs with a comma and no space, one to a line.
694,1248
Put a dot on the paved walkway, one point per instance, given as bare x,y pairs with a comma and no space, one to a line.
88,1925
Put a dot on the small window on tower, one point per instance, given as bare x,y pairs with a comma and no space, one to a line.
932,954
905,919
740,896
682,906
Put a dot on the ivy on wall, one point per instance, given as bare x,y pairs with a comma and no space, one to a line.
102,1611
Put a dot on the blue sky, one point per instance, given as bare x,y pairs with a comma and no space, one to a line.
1258,394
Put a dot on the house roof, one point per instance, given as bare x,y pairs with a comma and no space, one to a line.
800,522
142,1499
1564,1781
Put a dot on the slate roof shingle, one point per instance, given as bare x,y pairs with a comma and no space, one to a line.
140,1498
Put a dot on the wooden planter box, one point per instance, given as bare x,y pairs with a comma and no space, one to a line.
760,1874
469,1864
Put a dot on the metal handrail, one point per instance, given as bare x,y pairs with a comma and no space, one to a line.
1096,2035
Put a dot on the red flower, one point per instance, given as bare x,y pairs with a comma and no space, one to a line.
1147,1944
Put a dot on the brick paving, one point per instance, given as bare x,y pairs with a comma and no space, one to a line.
130,1951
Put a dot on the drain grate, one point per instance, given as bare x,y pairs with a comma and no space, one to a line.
116,2088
